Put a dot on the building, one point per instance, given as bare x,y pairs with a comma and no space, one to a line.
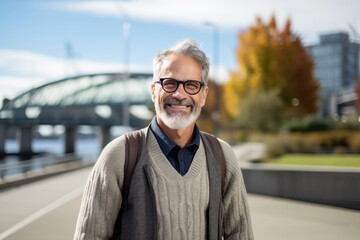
337,65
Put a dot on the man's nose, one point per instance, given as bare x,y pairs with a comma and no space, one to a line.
180,90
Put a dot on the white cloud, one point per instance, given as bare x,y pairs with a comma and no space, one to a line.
309,17
30,64
11,86
21,70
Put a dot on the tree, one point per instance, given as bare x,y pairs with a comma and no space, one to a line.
206,119
261,110
271,58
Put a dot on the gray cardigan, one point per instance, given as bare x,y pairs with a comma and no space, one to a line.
102,197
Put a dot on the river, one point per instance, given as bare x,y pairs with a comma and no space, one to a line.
87,148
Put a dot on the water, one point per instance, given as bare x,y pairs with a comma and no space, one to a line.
86,148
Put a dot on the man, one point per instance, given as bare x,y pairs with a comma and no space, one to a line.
169,196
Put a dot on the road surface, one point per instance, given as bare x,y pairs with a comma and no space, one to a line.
47,210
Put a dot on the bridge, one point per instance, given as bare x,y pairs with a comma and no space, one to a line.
103,100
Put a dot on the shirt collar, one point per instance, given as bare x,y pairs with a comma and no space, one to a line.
166,144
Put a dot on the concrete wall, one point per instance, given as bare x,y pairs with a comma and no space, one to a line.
333,186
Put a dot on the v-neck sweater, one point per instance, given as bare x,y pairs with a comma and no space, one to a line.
102,195
181,201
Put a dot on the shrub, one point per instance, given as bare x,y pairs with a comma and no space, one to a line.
354,143
309,124
313,124
314,142
260,110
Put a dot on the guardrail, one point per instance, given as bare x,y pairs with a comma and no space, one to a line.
31,170
41,163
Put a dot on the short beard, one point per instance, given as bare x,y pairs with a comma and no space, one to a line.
177,120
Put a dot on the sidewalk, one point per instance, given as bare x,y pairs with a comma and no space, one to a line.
281,219
48,209
246,152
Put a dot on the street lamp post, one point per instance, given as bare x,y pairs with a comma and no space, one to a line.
126,36
215,43
126,28
215,35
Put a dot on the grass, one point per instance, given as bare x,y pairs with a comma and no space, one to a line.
333,160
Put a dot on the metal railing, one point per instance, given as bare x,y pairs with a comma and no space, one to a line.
40,164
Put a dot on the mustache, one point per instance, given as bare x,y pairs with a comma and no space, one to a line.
171,101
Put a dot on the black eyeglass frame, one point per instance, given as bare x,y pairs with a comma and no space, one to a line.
184,83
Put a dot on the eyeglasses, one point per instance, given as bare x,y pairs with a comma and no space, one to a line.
170,85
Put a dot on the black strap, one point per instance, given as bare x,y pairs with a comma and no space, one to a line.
218,154
133,146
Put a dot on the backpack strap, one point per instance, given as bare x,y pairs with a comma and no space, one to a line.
133,145
218,154
133,148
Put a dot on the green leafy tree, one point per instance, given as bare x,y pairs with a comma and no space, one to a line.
261,110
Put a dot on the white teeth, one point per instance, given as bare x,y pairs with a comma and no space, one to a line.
178,106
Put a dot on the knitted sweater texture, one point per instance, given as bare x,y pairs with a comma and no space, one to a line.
181,201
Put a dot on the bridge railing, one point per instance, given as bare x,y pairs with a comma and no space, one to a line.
26,171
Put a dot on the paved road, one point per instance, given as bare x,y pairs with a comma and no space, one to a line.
42,210
48,209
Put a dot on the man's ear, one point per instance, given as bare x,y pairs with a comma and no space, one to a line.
153,91
203,96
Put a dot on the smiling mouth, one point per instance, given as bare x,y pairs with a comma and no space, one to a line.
177,106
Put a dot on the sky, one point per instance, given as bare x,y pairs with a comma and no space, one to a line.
46,40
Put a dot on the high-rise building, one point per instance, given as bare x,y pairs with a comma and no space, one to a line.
336,60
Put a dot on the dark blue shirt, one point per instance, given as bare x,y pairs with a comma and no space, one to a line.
180,158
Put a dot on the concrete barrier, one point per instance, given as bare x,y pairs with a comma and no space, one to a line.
333,186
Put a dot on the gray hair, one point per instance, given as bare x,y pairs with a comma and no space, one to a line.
188,48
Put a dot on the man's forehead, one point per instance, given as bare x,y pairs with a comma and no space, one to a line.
174,59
